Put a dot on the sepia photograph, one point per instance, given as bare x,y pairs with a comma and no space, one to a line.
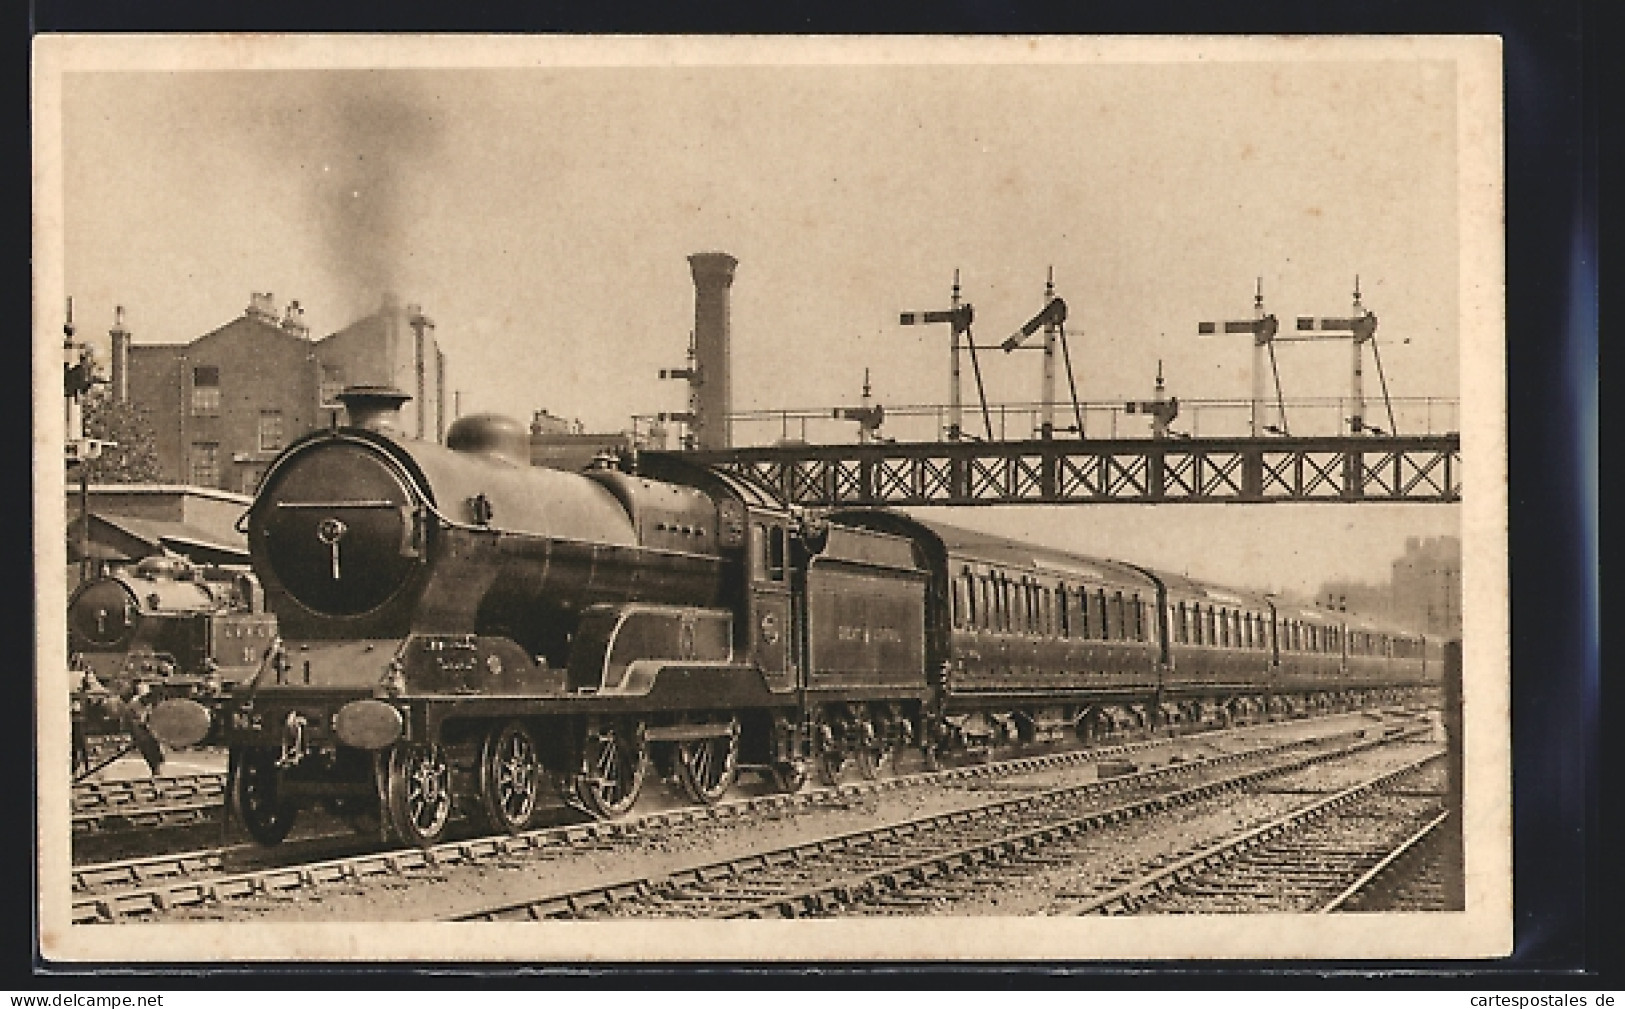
572,499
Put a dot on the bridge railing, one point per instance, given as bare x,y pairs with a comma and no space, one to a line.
1198,418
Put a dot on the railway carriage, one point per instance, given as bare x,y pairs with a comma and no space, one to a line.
1028,643
1379,656
1219,659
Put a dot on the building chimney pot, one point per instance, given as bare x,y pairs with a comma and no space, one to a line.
293,320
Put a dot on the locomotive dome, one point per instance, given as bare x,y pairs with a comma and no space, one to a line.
491,435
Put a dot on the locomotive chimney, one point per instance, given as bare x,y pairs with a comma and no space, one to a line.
713,277
374,407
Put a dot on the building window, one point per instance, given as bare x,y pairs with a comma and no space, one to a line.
332,384
206,391
205,464
270,430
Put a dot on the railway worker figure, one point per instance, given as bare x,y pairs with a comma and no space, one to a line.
88,693
133,714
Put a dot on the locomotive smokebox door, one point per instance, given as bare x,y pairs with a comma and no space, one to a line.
771,634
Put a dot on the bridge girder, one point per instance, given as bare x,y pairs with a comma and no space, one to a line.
1422,469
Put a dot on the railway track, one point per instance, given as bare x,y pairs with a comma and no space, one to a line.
101,807
1421,874
1315,858
154,886
880,866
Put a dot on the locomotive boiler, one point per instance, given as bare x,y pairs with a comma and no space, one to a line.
166,621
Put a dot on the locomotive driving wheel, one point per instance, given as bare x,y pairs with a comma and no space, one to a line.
706,768
255,798
614,761
419,793
510,777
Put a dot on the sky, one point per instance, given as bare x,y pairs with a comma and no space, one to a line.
542,216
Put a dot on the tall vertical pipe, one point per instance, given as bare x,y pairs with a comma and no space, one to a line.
713,279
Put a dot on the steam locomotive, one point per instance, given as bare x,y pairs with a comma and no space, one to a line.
163,629
459,627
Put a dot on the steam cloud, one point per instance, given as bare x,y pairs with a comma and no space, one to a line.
371,171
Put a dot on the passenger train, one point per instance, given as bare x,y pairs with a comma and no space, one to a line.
461,630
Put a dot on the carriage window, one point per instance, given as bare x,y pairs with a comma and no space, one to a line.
1139,618
1246,630
957,601
1103,627
966,588
1063,616
1184,624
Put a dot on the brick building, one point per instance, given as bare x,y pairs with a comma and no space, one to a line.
222,406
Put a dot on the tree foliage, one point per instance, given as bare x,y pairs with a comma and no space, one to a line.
134,459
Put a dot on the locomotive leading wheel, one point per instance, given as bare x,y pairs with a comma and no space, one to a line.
510,777
419,793
254,796
706,768
614,762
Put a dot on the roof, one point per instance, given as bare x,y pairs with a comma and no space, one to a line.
171,489
158,535
1221,595
969,544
